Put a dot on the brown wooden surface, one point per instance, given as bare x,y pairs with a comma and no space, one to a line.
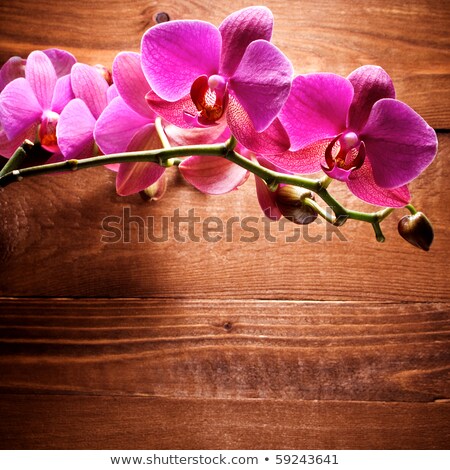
333,344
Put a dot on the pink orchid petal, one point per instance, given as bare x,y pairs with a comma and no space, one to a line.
13,68
262,82
240,29
370,83
63,94
174,54
117,125
273,140
267,200
363,185
88,85
399,143
137,176
113,167
62,61
212,175
41,76
209,135
19,108
304,161
112,93
131,82
75,130
172,112
316,108
8,147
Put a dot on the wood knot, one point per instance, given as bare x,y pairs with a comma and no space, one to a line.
227,326
161,17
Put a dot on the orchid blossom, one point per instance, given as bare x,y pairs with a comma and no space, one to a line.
75,130
34,94
128,124
356,132
201,75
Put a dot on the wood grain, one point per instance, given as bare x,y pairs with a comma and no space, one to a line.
63,422
233,349
408,39
321,343
51,245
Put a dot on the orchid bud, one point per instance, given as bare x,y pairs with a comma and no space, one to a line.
290,202
105,73
155,191
417,230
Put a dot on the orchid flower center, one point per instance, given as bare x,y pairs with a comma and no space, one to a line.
210,96
345,154
47,131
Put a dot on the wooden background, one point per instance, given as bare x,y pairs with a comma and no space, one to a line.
333,344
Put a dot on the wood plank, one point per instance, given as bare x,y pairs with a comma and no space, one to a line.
232,349
72,422
52,243
406,38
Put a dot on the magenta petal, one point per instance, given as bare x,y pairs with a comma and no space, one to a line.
88,85
62,61
267,200
208,135
19,108
316,108
117,125
131,82
273,140
304,161
112,93
137,176
370,83
63,94
174,54
8,147
172,112
75,130
41,76
399,143
240,29
13,68
262,82
362,185
212,175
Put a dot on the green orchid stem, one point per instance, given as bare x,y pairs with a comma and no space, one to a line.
320,210
171,156
411,209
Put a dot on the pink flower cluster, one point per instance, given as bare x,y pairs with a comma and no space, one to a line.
207,83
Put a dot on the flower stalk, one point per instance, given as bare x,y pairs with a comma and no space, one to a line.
169,156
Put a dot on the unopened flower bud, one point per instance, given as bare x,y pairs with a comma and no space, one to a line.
417,230
155,191
105,73
290,202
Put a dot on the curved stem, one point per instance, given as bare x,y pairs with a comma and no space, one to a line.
170,156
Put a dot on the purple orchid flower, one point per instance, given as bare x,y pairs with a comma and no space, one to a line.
356,132
201,75
128,124
75,129
34,92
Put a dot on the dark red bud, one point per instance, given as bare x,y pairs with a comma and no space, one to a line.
417,230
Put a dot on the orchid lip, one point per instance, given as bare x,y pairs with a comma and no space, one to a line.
341,165
210,96
47,131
